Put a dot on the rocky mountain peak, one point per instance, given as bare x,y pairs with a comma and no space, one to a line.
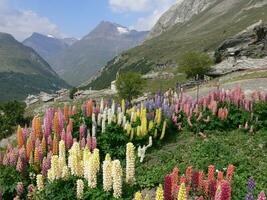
180,12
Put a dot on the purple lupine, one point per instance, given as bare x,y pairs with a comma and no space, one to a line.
20,165
249,196
251,184
19,188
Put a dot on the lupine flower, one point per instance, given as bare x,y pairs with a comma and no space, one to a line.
138,196
159,193
226,190
189,173
218,193
107,174
55,145
182,192
251,184
261,196
168,188
211,171
80,187
130,163
230,172
20,138
212,188
39,182
117,178
19,188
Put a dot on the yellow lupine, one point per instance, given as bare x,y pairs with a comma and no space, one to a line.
159,193
107,174
182,192
138,196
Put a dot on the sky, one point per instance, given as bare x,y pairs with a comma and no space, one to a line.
76,18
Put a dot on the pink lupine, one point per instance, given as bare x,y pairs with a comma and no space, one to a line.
19,188
45,166
93,143
89,142
82,143
69,140
262,196
60,120
63,135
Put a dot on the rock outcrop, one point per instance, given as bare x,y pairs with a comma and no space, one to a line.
251,43
245,51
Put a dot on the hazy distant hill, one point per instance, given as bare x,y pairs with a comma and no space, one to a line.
23,71
84,58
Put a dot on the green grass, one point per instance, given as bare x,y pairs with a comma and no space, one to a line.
247,152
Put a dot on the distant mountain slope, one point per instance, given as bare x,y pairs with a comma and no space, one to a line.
203,31
84,58
47,46
23,71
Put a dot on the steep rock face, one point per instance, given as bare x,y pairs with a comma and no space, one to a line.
179,13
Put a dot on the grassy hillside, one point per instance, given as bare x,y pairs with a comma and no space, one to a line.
23,71
204,32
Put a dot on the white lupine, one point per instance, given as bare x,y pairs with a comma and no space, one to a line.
113,107
86,157
124,121
130,163
93,118
39,182
80,188
92,171
65,172
99,119
93,130
107,174
54,172
62,153
103,126
101,105
117,178
74,159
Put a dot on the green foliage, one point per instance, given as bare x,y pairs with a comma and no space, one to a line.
246,152
129,85
195,63
11,114
9,178
113,141
72,92
260,111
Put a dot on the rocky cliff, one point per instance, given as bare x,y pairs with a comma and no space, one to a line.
180,12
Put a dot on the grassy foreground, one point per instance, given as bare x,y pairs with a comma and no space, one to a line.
247,152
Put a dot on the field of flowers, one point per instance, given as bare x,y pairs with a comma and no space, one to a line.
98,150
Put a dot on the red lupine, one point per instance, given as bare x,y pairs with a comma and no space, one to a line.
212,187
175,178
220,176
226,190
167,188
195,180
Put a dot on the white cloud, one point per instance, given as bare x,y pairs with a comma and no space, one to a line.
129,5
22,24
153,9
